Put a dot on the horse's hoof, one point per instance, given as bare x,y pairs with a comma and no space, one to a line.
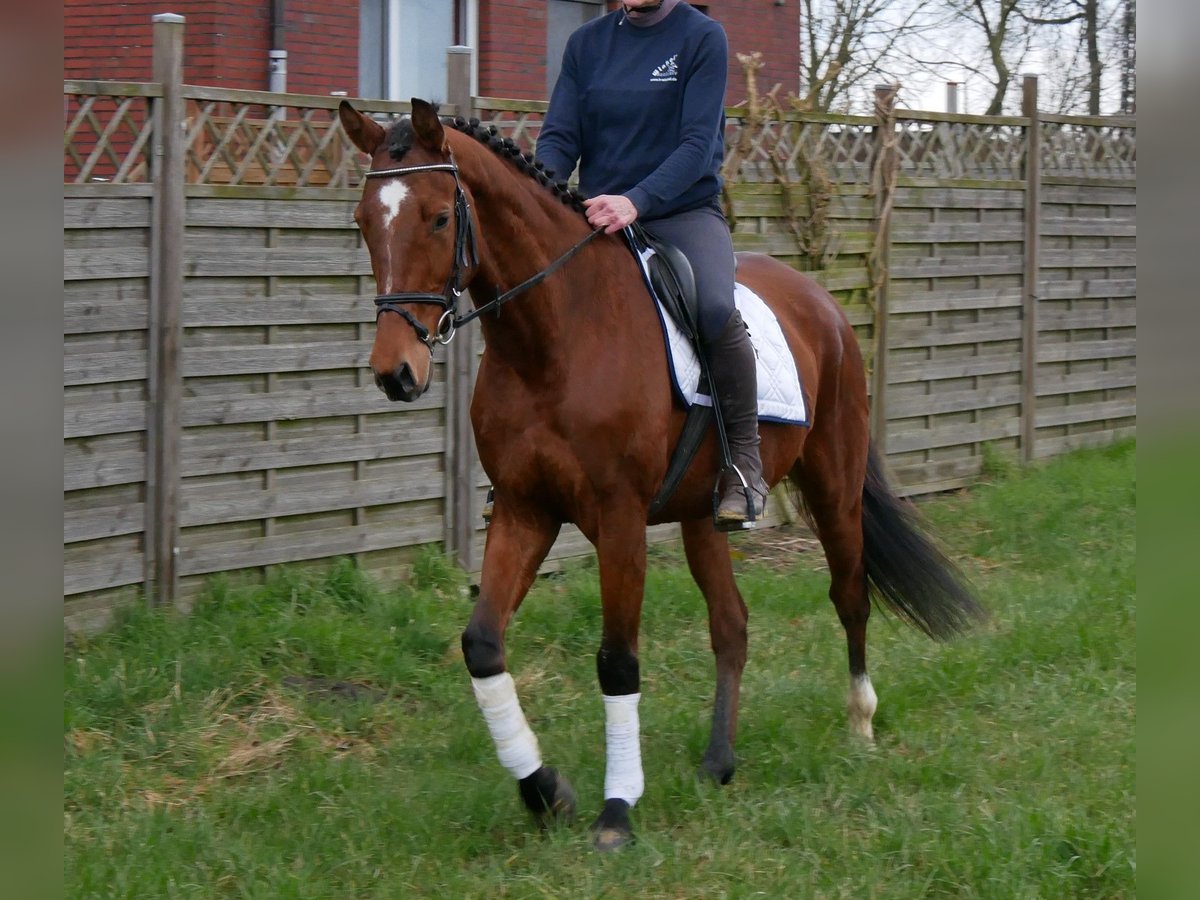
611,831
718,767
716,772
549,796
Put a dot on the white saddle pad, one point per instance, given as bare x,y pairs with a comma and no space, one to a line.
780,398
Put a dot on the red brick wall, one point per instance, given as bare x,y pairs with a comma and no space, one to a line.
225,42
512,51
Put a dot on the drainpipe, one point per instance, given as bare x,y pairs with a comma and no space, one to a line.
277,56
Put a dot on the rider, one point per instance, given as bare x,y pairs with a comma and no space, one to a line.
639,104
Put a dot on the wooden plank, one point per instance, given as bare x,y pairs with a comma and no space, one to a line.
295,310
97,313
953,436
938,369
951,333
1080,350
957,266
1085,195
299,405
1064,226
957,232
1091,121
103,522
228,556
334,213
959,198
1089,259
96,189
113,212
101,565
1081,382
1052,446
310,451
100,368
1122,181
86,87
108,262
264,261
103,418
1050,319
909,299
954,401
84,468
199,508
1076,413
924,115
1076,289
227,192
307,357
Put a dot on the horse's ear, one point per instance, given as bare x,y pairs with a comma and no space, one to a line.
427,126
364,132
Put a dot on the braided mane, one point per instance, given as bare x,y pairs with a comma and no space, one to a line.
400,141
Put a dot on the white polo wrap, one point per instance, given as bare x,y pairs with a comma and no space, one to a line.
516,744
623,779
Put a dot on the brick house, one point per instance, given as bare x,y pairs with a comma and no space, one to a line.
391,49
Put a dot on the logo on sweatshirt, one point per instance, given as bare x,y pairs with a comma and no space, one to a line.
668,71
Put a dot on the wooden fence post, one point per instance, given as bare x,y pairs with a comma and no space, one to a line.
460,511
164,382
884,188
1029,291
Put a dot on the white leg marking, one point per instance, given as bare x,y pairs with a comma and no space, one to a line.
623,779
861,706
391,195
515,742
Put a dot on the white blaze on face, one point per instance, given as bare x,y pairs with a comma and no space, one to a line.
391,195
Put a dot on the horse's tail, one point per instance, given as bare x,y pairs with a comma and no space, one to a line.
905,569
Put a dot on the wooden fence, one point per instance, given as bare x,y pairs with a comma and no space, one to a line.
217,316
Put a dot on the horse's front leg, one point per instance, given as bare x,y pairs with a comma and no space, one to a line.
517,542
621,548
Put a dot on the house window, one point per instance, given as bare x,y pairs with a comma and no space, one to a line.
563,17
402,45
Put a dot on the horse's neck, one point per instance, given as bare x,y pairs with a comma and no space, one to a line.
522,233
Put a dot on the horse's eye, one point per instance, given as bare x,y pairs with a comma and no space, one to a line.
441,222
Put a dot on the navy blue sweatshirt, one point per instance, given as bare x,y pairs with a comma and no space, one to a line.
642,109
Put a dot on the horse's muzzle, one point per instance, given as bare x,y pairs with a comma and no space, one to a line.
400,384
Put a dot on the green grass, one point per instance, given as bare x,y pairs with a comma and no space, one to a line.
204,759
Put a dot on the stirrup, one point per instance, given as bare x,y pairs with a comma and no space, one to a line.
736,523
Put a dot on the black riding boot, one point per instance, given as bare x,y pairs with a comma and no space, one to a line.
735,372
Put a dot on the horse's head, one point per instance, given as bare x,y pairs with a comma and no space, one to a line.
415,219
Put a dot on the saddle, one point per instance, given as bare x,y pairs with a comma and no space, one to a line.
672,282
671,279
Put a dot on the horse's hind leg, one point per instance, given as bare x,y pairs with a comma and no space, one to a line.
708,558
831,480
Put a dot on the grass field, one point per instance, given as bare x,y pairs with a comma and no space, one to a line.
317,737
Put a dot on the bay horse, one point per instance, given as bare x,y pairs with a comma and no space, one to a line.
575,421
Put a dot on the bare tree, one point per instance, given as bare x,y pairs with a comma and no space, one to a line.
846,44
1006,37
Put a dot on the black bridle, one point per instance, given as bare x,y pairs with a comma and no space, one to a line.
466,257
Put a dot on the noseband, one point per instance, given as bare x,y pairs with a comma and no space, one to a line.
466,256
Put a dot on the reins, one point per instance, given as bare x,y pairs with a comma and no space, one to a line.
465,257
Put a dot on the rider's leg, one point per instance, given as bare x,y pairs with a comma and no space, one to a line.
703,236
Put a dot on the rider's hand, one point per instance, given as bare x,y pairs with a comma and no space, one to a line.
612,212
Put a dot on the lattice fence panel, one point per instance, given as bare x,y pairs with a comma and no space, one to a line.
107,135
1088,150
975,150
233,142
